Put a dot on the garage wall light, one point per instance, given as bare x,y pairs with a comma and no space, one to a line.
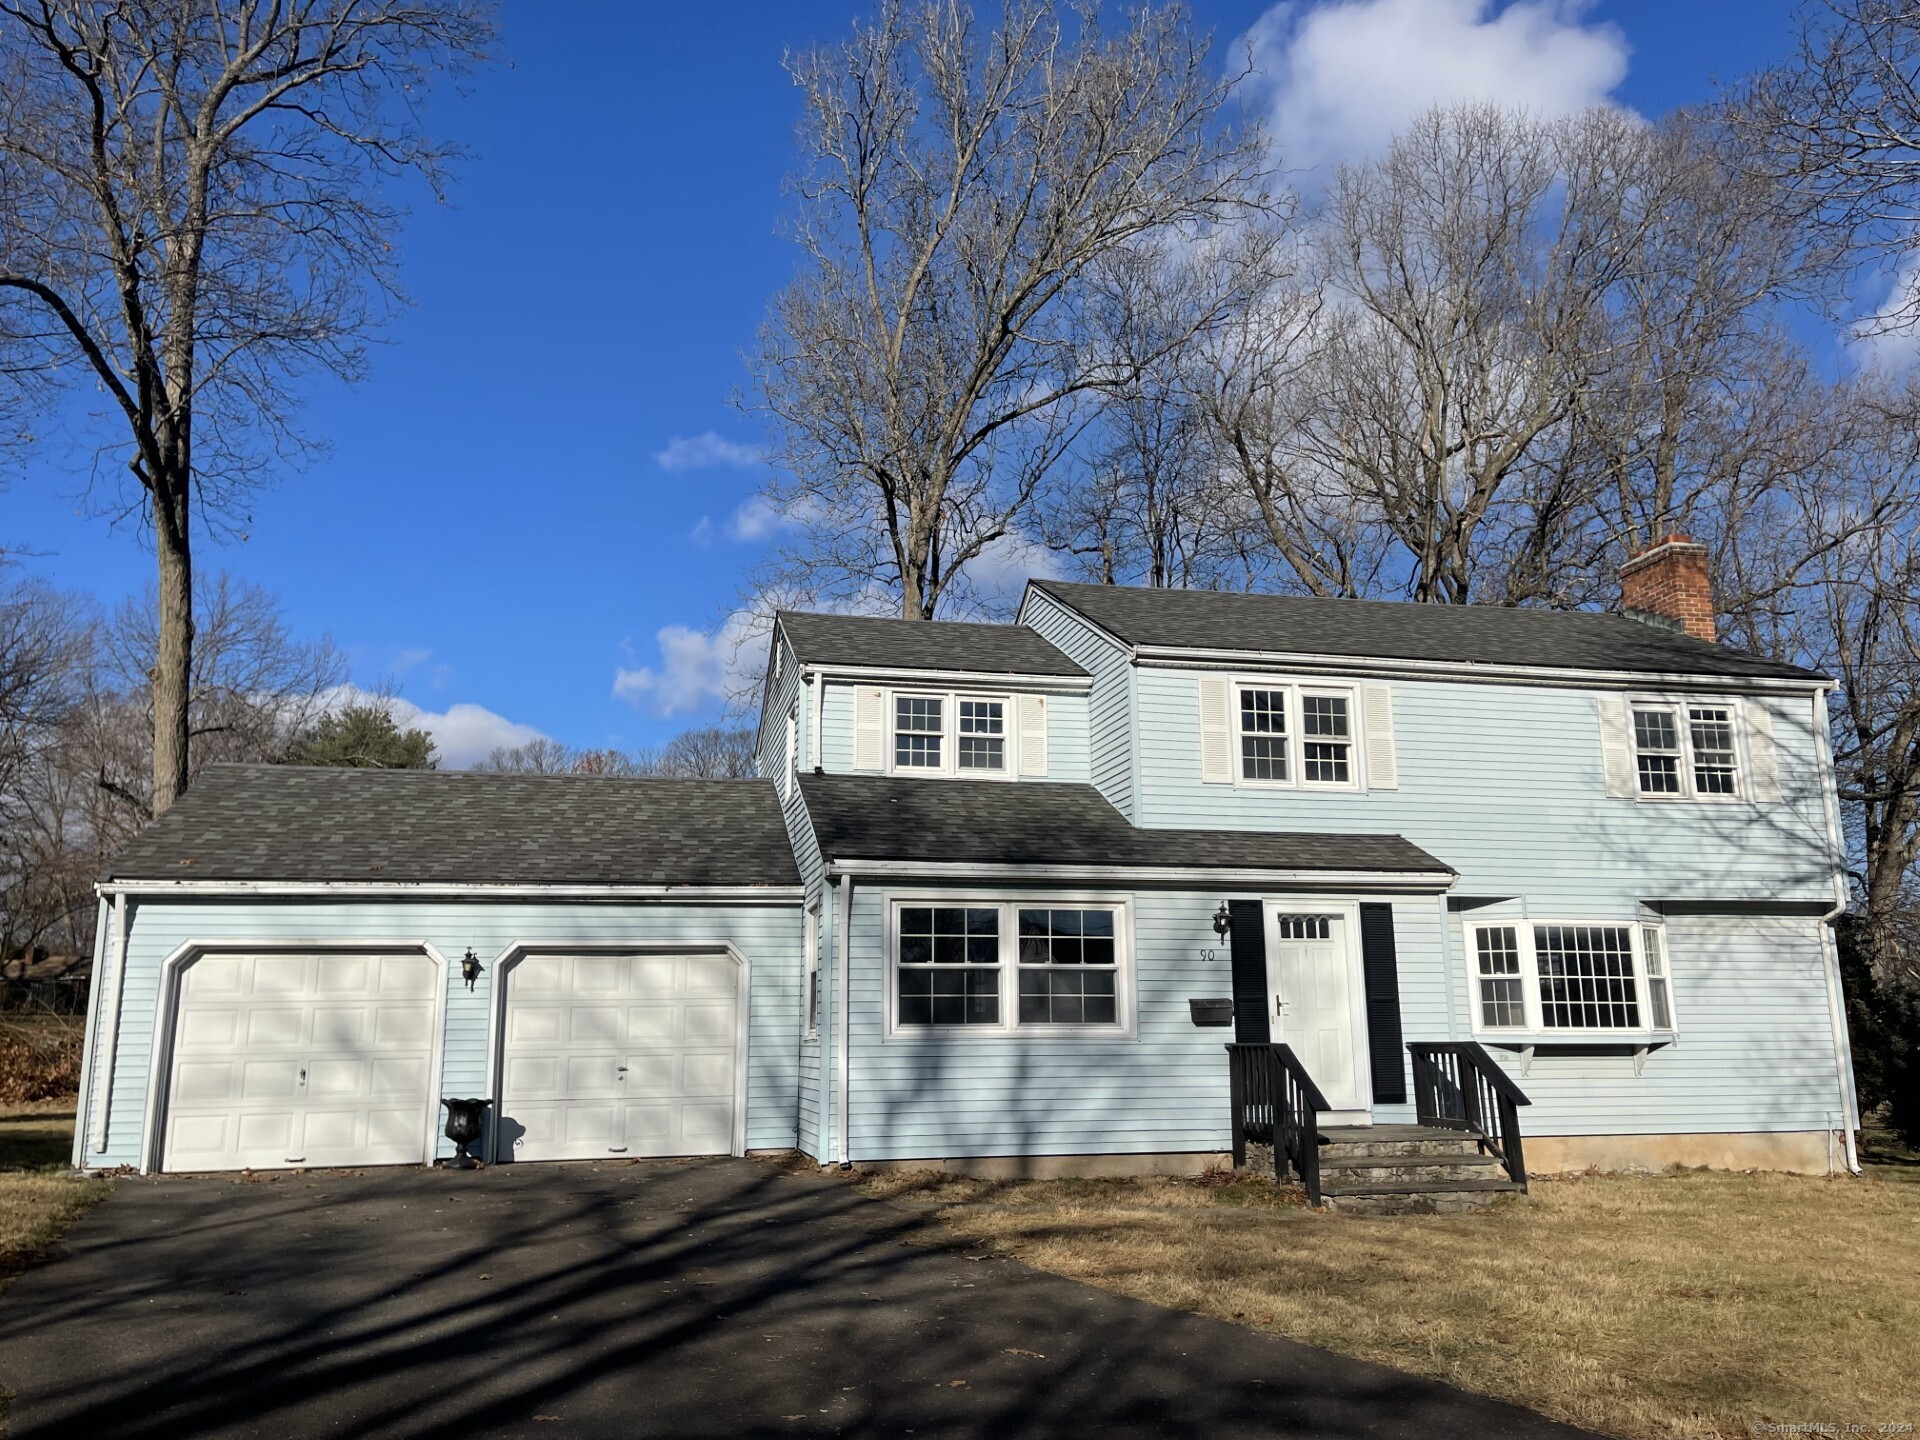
470,968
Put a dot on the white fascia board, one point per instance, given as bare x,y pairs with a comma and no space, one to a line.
978,679
383,889
1420,880
1185,658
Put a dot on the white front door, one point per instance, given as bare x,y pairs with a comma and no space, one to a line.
302,1059
619,1055
1316,1001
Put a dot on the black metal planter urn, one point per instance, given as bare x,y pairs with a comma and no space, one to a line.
464,1121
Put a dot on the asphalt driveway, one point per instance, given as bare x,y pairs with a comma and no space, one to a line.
714,1297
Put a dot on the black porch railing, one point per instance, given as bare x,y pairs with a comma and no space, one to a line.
1461,1087
1275,1102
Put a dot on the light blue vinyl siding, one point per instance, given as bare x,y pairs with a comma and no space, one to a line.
1066,730
1163,1090
768,935
1505,784
1109,742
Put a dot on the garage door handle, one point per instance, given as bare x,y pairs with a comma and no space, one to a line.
621,1068
616,1149
296,1159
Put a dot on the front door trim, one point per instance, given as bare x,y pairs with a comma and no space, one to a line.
1355,1108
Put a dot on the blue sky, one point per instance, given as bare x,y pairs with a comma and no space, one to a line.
529,518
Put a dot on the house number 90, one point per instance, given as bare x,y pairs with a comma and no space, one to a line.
1206,954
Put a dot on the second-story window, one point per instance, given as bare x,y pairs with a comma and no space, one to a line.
1685,750
982,742
952,733
919,732
1296,735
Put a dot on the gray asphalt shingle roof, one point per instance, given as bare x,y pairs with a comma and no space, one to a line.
283,822
877,817
1396,630
922,645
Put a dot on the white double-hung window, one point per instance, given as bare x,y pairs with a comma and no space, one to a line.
1570,978
1685,749
988,966
1295,735
943,733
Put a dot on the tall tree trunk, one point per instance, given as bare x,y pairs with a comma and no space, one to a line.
173,658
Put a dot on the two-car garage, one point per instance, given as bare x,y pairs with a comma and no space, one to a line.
327,1058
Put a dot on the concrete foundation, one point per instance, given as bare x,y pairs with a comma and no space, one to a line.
1798,1152
1062,1167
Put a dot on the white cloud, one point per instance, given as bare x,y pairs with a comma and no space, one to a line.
1343,75
998,575
1892,344
698,667
702,534
706,451
463,734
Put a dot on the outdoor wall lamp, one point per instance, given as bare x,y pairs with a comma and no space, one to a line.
470,968
1222,921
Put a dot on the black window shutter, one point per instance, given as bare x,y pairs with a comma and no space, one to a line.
1250,995
1383,1004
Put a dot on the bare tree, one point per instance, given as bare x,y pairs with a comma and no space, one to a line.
1838,127
194,220
962,197
709,752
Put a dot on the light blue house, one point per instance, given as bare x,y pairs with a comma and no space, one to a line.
1007,890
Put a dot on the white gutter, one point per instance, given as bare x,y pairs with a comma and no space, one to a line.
987,679
1829,942
402,889
110,1020
1183,658
90,1057
1320,879
843,1028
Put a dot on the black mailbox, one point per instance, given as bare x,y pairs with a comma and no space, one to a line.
1211,1012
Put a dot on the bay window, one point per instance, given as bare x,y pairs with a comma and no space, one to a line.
1008,966
1551,978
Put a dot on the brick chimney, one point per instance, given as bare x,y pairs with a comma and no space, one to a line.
1671,581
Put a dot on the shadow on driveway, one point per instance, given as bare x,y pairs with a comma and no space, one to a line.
692,1298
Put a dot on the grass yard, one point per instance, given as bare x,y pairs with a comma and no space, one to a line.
39,1199
1687,1304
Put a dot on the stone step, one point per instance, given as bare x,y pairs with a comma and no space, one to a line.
1351,1170
1389,1150
1416,1197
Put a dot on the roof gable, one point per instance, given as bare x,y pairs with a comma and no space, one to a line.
1400,630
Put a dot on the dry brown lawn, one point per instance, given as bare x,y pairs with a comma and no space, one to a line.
1690,1303
39,1198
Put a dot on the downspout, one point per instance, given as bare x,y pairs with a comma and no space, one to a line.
110,1021
843,1027
1829,944
83,1108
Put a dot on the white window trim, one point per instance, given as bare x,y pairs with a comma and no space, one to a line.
1688,794
1009,902
1296,738
810,977
949,767
1536,1030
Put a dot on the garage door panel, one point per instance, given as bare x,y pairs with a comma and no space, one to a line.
670,1020
706,1075
302,1058
269,1029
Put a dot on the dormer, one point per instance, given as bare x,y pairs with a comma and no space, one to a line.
933,699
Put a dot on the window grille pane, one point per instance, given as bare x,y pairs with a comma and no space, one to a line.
983,726
1659,1001
949,965
1502,1004
1067,974
1711,729
918,725
1657,743
1263,734
1326,743
1586,977
1305,927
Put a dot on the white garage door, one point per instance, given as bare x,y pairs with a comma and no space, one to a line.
619,1055
302,1059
